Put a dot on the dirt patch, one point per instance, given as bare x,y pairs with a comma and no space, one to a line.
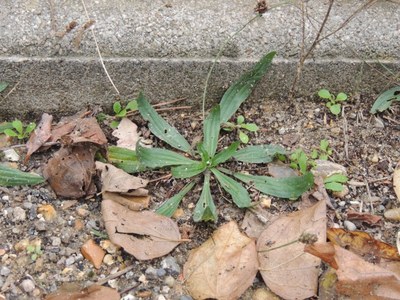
366,145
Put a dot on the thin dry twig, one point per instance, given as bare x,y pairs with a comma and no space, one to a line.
98,50
115,275
12,90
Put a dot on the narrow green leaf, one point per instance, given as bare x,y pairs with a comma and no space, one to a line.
244,138
124,159
336,178
17,124
160,128
225,154
186,171
14,177
205,208
302,161
240,90
324,93
158,158
117,107
250,127
385,99
211,131
238,193
289,187
3,86
334,186
259,154
169,207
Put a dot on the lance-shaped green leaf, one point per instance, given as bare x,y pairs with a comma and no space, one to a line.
5,125
238,193
158,158
225,154
124,159
205,208
289,187
385,99
160,128
14,177
240,90
259,153
169,207
186,171
211,131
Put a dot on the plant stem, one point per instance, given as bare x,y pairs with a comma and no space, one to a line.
221,49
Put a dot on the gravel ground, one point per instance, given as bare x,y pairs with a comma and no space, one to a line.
367,146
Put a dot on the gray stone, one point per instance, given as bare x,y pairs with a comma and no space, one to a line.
40,225
349,225
5,271
170,281
55,241
27,285
151,273
169,263
161,272
70,261
174,47
19,214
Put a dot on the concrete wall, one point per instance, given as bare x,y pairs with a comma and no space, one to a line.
166,47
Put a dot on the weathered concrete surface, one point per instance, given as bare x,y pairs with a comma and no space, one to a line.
166,47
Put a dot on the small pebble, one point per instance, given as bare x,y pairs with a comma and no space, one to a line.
342,203
161,272
55,241
392,214
151,273
129,275
170,264
185,297
5,198
170,281
27,285
165,289
142,278
128,297
281,131
108,259
161,297
113,283
69,261
82,212
4,271
40,225
349,225
19,214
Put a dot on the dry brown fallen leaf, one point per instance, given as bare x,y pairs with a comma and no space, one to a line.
144,234
363,244
72,291
396,181
223,267
127,134
69,172
118,181
288,271
363,217
40,136
135,203
357,278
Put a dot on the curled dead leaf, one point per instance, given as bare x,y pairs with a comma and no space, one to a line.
40,136
363,217
286,270
357,278
396,181
127,134
363,244
69,172
145,234
135,203
223,267
73,291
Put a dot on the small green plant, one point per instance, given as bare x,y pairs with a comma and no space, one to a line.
34,250
384,100
240,126
119,112
19,130
333,103
323,152
300,161
207,162
335,182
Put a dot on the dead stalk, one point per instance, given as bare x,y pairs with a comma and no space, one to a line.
98,50
115,275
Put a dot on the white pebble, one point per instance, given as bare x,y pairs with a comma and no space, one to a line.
349,225
27,285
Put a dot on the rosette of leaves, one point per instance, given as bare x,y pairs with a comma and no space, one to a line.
241,127
206,161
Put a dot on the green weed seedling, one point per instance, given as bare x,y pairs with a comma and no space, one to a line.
206,162
333,103
323,152
19,130
240,126
300,161
34,250
119,112
335,182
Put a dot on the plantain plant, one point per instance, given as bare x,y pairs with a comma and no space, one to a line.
207,162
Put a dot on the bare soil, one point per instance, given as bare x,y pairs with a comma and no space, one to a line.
366,145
